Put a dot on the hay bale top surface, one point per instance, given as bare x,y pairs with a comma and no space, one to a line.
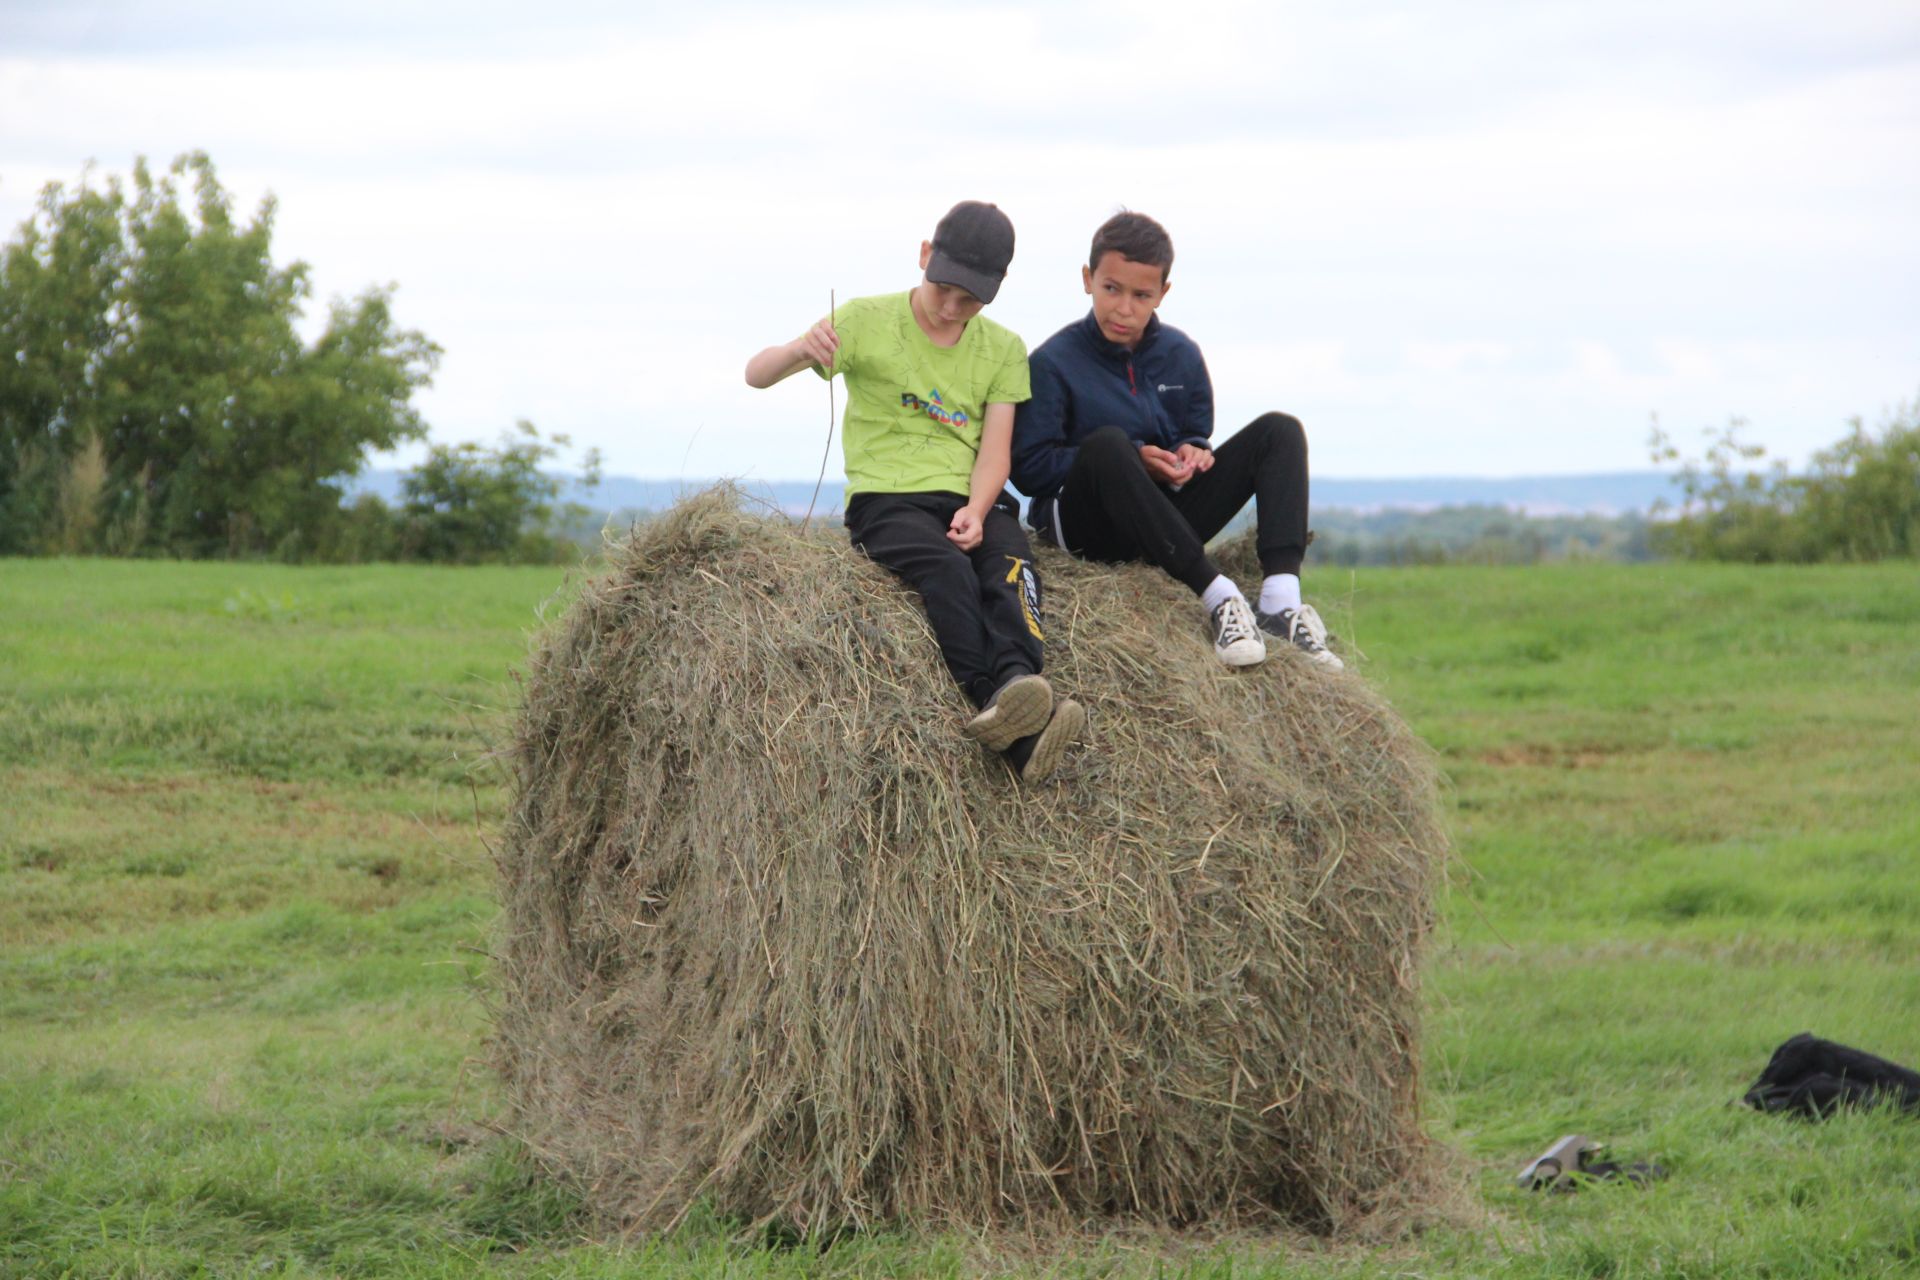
777,937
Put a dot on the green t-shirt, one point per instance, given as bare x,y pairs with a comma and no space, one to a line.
915,410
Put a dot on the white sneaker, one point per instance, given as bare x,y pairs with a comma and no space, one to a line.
1236,636
1303,629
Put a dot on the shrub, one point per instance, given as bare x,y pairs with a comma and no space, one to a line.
470,504
1859,500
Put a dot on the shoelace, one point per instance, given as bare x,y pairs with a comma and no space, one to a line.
1235,624
1307,620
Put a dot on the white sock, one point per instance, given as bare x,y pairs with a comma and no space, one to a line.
1280,591
1218,592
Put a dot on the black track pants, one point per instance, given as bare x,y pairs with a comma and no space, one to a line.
984,604
1110,508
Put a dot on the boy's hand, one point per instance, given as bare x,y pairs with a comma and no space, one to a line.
1167,468
782,360
819,344
1197,457
964,530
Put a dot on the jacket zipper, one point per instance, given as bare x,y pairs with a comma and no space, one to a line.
1132,390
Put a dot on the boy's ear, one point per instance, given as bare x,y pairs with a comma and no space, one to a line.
1086,279
926,253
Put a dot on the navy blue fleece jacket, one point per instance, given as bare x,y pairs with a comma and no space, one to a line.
1158,393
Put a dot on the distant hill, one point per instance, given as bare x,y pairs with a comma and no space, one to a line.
1608,493
1602,493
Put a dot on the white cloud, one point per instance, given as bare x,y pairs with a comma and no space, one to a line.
1458,356
1457,238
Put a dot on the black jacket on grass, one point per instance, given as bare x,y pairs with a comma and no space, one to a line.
1812,1077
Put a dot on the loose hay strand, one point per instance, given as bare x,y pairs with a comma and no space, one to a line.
833,319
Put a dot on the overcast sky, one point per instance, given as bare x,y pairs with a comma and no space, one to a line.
1455,239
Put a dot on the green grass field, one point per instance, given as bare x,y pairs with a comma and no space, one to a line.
244,890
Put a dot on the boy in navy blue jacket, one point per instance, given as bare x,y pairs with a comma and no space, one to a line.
1115,450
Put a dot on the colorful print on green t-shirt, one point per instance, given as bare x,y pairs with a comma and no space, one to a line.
915,410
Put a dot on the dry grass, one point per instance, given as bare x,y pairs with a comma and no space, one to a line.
777,937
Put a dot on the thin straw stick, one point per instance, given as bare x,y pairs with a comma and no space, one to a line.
833,307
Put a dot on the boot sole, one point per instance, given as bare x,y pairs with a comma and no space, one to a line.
1068,726
1021,708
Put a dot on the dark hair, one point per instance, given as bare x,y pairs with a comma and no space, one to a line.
1135,237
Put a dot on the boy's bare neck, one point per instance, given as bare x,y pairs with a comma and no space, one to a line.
938,337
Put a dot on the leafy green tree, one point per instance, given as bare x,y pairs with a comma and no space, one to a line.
1732,506
57,287
1859,500
151,322
468,503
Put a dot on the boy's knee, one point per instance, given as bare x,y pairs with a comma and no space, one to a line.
1282,429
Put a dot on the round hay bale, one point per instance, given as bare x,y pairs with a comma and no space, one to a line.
778,938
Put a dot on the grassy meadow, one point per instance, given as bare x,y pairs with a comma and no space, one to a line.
245,892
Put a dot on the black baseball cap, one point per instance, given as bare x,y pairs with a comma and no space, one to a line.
971,248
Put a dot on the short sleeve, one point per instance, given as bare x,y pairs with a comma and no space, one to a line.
1012,383
851,323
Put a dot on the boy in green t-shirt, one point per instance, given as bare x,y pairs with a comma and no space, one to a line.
931,385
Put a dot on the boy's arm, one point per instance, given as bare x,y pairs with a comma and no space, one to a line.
989,477
1196,426
782,360
1041,453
